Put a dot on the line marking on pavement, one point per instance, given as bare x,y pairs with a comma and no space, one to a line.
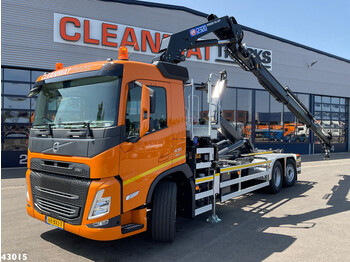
11,187
305,167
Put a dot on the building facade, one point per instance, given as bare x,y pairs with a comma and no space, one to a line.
36,35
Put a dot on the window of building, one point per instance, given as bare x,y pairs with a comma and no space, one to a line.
15,131
237,109
11,88
16,102
335,100
13,144
11,74
331,112
294,131
229,105
16,109
244,112
15,116
302,132
262,116
276,121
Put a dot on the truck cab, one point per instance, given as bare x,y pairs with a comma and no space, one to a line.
102,133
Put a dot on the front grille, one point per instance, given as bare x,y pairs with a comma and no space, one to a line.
59,196
61,209
60,167
57,193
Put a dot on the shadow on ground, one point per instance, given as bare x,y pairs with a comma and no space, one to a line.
240,235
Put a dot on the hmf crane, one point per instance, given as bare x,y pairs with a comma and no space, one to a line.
112,150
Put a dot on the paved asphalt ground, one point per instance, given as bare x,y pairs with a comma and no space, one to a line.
308,222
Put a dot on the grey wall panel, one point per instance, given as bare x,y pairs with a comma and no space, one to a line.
28,29
27,41
291,63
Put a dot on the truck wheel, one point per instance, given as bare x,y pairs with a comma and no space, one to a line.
291,174
276,179
164,212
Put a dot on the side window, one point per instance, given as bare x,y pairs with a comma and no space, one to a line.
132,114
159,117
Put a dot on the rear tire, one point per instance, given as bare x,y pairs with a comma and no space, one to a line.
291,174
276,179
164,212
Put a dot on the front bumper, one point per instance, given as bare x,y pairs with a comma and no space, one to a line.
102,234
83,227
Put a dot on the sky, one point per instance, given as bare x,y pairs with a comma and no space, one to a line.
320,24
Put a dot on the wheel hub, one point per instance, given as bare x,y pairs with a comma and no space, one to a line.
290,173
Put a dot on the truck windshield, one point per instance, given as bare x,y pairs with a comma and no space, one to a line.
75,102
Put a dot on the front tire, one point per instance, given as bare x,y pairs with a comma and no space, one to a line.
291,174
164,212
276,179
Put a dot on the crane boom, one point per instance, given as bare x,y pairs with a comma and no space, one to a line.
230,34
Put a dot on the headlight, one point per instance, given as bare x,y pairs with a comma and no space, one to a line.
100,206
28,199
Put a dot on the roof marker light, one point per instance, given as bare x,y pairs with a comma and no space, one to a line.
59,66
123,53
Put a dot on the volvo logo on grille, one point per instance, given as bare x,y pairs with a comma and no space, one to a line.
55,146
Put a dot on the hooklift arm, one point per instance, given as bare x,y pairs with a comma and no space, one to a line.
231,35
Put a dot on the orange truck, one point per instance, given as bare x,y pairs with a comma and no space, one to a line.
112,151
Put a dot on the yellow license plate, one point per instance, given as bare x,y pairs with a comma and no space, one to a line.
55,222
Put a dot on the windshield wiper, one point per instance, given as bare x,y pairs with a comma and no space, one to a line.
47,131
84,123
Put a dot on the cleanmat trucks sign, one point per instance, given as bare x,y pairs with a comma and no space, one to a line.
100,34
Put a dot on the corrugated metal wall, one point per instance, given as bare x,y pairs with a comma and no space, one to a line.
27,41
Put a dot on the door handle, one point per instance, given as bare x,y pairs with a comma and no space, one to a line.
164,158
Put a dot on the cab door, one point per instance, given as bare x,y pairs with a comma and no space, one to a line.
143,158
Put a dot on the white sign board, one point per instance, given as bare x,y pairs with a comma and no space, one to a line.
82,31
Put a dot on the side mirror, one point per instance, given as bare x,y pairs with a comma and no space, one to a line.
34,91
145,110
